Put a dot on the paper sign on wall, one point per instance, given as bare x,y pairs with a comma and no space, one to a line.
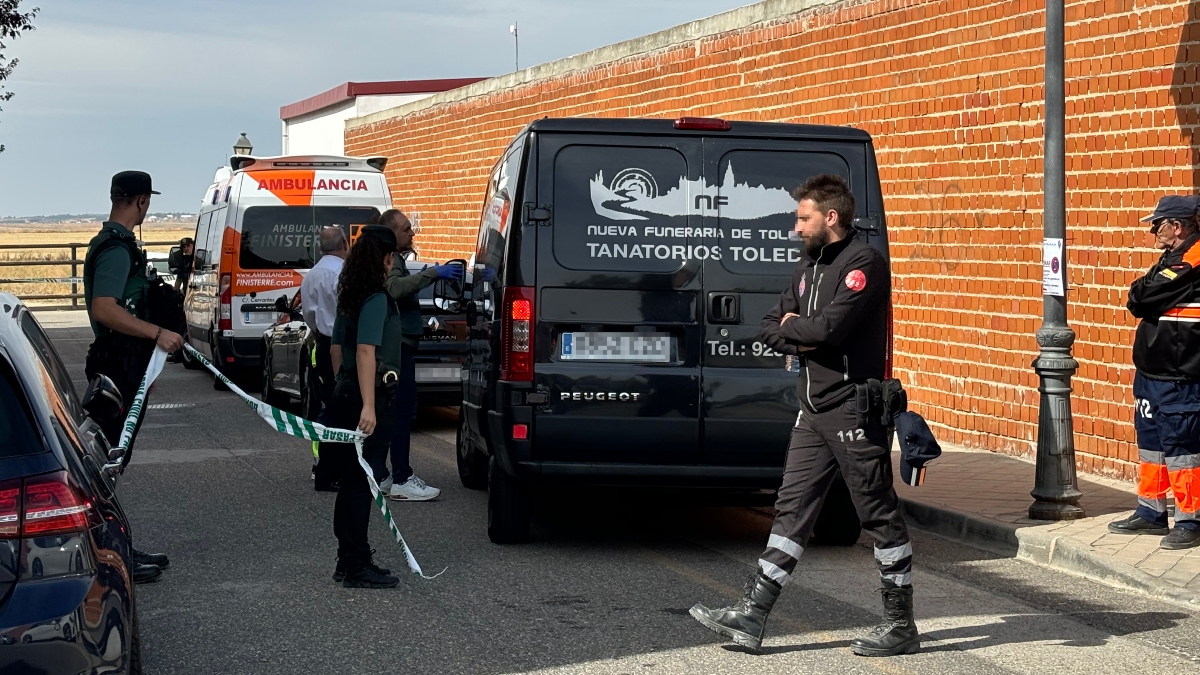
1052,268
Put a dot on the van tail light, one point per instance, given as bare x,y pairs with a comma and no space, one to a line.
702,124
45,505
516,335
891,340
226,293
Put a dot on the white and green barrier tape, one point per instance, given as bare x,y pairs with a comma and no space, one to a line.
283,422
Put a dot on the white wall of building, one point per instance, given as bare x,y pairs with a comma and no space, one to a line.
322,132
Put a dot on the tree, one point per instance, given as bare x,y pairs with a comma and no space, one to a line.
13,22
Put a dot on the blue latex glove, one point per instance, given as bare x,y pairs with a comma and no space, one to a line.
449,271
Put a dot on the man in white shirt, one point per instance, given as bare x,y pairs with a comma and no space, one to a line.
318,298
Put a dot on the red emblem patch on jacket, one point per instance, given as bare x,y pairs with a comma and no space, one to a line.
856,280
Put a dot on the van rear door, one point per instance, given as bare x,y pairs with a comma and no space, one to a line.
619,279
748,399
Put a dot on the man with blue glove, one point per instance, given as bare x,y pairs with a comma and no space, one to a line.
402,287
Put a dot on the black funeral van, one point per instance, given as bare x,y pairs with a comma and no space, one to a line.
621,270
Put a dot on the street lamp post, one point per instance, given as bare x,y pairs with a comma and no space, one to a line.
516,47
243,146
1056,490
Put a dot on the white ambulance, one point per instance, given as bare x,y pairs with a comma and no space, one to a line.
256,237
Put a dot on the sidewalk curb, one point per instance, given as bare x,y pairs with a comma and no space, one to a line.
1040,547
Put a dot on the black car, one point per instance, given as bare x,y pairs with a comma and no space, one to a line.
288,371
66,593
621,270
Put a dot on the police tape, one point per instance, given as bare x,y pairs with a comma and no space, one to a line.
283,422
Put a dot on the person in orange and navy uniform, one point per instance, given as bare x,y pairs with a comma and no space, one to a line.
1166,386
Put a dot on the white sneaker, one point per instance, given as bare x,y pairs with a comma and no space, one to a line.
413,490
385,485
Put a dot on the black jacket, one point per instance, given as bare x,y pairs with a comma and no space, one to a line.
841,299
1167,300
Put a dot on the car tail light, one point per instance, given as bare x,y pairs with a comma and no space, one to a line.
226,292
517,335
520,432
702,124
10,509
51,505
891,339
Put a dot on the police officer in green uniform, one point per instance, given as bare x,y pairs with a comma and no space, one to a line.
115,290
369,332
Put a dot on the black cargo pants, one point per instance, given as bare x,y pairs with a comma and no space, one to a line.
822,443
124,360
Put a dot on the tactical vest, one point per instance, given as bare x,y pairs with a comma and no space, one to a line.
133,297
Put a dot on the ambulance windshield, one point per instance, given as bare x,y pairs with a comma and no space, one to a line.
285,237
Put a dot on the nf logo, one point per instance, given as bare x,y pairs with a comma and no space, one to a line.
634,194
634,184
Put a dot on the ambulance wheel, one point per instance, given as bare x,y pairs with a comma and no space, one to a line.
190,361
472,464
508,507
219,363
837,524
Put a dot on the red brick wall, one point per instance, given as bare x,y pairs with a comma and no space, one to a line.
951,90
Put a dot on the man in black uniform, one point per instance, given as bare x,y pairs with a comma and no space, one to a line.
833,316
180,263
115,290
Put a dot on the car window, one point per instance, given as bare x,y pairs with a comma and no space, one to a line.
285,237
216,235
54,366
756,213
202,256
17,429
625,209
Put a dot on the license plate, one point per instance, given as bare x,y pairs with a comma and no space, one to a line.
644,347
259,317
438,373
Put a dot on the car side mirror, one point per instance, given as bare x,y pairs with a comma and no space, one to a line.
448,293
102,400
281,304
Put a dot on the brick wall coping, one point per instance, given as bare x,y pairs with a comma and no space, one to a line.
743,17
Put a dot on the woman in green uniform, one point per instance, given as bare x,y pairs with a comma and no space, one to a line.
368,333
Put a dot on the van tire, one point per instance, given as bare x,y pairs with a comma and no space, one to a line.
508,507
217,362
189,361
837,524
472,464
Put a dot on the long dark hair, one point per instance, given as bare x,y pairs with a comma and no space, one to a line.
362,274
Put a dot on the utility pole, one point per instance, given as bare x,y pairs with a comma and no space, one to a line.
516,47
1056,489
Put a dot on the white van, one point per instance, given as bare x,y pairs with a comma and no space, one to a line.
256,237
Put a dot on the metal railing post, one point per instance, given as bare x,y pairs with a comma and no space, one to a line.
74,274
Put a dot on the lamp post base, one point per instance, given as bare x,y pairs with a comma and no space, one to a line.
1055,511
1056,490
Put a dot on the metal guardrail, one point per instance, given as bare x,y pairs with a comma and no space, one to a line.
76,278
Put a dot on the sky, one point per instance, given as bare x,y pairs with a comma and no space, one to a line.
166,87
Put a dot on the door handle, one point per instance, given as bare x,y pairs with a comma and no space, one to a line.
724,308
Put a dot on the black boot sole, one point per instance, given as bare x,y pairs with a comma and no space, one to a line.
903,648
349,583
1158,531
739,638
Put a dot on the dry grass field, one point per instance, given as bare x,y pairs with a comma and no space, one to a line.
28,244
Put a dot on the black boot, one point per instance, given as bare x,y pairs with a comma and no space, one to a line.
159,560
745,621
339,569
144,574
898,632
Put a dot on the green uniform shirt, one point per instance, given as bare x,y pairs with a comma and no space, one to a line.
111,276
403,288
378,324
